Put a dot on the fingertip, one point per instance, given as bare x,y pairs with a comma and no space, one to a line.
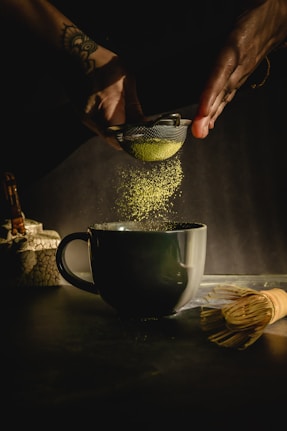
199,129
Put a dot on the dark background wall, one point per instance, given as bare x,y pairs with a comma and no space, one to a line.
234,180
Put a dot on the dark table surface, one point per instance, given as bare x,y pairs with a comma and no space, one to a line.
66,350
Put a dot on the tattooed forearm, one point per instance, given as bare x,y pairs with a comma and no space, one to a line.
80,45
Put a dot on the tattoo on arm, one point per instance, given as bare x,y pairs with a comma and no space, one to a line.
79,45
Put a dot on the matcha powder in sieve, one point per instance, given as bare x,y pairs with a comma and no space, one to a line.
149,190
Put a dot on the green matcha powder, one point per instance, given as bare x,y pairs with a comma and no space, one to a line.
148,192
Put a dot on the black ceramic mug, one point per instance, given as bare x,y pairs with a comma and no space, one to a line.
142,269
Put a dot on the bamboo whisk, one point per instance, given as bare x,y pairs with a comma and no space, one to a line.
244,315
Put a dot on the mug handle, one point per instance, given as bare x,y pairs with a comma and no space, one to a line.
63,267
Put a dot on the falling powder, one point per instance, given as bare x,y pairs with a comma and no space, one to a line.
148,192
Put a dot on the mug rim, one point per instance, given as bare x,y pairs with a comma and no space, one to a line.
147,226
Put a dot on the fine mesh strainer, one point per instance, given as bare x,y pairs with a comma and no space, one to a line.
154,140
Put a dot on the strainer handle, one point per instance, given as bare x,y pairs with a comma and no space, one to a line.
176,117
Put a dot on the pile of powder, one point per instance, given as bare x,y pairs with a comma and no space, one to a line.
148,191
153,149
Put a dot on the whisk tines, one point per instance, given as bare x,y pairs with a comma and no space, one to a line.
243,317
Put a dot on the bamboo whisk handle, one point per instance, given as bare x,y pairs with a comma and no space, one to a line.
278,298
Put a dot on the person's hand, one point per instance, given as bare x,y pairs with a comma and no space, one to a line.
106,95
258,30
